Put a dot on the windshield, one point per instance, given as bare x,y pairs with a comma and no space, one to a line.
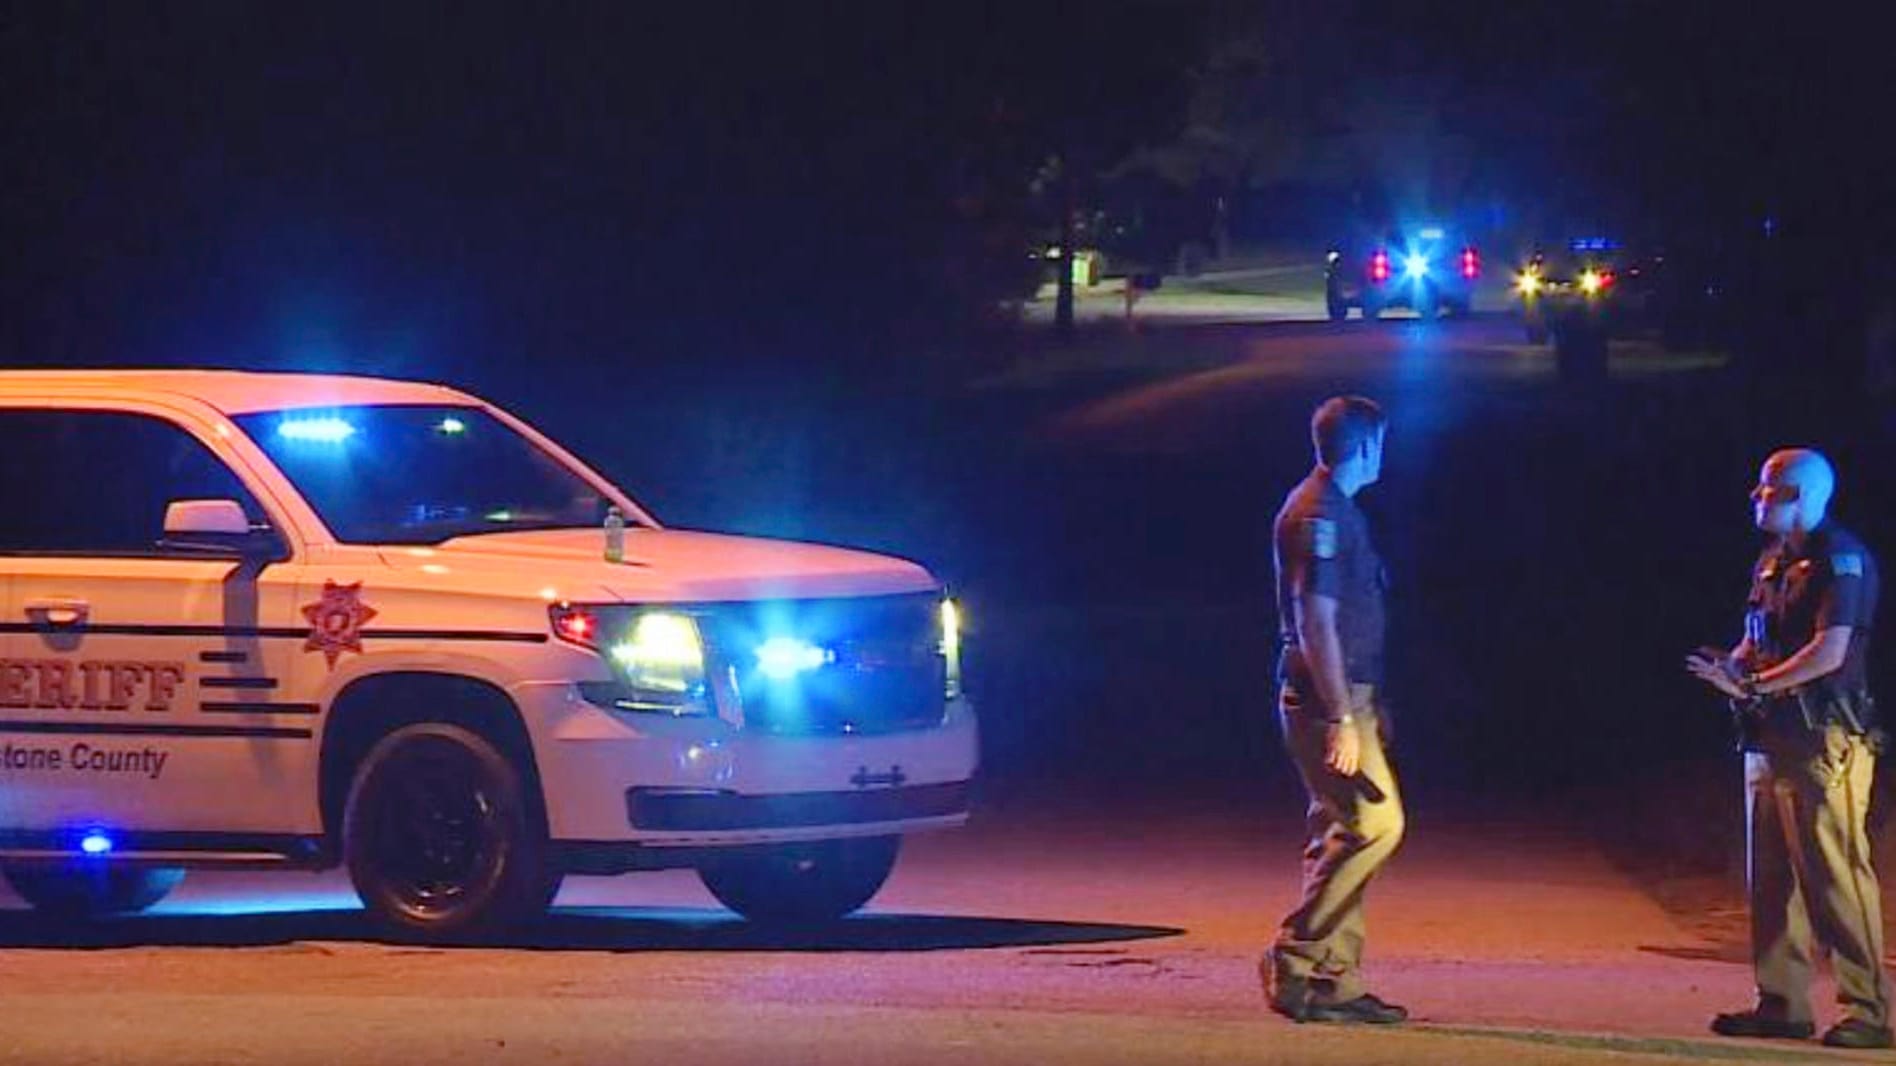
404,474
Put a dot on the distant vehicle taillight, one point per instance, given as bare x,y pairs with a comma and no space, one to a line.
1379,266
1595,281
1471,264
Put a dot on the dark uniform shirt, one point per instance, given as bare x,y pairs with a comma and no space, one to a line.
1796,594
1321,545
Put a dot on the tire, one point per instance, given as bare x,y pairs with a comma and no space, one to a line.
1337,309
1372,309
442,837
77,892
797,884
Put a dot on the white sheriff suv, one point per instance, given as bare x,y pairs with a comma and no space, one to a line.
298,621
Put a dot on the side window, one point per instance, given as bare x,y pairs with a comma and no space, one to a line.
97,482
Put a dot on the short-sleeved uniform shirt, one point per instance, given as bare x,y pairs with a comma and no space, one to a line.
1321,545
1797,593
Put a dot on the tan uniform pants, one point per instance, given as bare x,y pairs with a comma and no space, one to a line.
1808,868
1354,827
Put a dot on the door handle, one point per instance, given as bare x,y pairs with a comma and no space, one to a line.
58,610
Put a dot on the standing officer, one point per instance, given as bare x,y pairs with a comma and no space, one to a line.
1330,602
1798,680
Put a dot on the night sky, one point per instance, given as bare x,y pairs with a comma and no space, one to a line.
381,186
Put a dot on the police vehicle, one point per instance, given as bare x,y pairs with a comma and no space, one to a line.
293,622
1425,268
1588,290
1590,284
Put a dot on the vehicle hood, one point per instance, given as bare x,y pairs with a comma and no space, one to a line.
673,566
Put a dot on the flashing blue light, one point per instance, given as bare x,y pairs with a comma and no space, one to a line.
1431,233
95,843
1416,265
782,658
317,430
1590,244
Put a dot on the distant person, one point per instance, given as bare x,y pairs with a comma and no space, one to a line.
1330,600
1798,683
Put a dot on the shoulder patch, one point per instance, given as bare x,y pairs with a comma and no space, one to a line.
1320,537
1850,565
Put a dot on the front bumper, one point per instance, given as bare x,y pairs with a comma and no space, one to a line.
661,782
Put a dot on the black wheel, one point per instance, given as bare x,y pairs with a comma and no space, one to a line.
1337,309
802,883
84,890
442,837
1372,309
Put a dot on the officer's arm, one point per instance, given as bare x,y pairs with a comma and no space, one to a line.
1323,651
1823,655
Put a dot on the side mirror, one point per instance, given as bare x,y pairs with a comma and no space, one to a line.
187,518
215,527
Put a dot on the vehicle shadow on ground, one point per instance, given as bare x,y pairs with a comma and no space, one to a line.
603,929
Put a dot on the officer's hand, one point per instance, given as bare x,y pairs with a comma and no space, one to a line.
1715,670
1343,749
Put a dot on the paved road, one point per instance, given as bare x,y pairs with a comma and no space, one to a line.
1028,938
1275,293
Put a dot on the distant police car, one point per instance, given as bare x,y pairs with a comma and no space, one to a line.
1425,268
286,621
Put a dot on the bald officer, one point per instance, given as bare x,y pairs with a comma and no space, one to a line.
1798,678
1330,602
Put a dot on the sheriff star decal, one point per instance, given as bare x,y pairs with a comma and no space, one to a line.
336,621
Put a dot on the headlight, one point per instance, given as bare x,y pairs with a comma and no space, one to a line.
656,656
951,647
1527,283
1591,282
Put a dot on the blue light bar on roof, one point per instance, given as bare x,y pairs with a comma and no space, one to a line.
317,430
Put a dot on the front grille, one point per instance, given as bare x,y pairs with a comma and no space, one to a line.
885,672
660,809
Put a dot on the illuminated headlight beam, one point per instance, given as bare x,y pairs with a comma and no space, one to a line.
1417,266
